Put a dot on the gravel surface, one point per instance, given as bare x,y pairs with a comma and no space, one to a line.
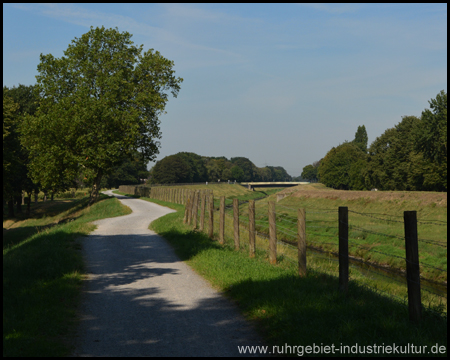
141,300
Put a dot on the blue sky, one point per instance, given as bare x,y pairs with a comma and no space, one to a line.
280,84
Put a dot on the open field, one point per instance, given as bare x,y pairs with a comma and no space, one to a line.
376,229
42,273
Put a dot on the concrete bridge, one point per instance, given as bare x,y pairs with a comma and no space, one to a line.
253,185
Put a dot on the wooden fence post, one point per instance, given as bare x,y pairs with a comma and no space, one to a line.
301,242
251,227
191,201
195,208
211,216
186,212
222,220
236,223
272,233
343,249
202,211
412,265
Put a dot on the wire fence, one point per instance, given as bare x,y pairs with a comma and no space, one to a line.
377,257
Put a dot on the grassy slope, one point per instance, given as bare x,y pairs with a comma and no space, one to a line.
298,311
42,273
369,219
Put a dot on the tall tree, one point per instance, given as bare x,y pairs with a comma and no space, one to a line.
361,138
339,164
431,131
430,140
100,101
170,170
309,173
16,177
389,164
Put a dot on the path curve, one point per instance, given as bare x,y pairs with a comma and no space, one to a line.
140,300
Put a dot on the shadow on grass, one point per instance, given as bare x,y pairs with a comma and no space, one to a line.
48,210
40,286
306,311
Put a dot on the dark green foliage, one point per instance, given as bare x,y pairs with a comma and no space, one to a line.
237,173
337,166
309,173
277,173
361,138
389,162
187,167
430,134
411,156
197,168
17,102
171,169
99,102
129,172
394,164
249,169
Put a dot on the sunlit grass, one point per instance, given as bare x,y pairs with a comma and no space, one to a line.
42,273
293,310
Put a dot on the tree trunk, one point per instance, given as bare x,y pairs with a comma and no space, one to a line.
11,207
19,203
28,204
95,188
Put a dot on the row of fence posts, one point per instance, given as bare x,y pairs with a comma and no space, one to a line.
412,259
174,195
191,214
206,199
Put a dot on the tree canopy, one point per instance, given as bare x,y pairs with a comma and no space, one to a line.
128,172
17,103
98,103
339,164
187,167
361,138
411,156
309,173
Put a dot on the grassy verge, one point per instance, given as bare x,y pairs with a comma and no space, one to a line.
376,230
42,273
299,311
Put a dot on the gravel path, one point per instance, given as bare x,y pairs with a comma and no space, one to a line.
141,300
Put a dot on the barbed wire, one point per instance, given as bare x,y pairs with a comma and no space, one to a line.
371,232
432,222
290,233
434,242
374,217
295,209
370,249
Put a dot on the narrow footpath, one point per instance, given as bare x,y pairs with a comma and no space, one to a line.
141,300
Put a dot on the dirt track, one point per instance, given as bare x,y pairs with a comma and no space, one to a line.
140,299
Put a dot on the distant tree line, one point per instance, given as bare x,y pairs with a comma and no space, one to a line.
411,156
187,167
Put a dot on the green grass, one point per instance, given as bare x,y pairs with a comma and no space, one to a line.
291,310
376,230
42,274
